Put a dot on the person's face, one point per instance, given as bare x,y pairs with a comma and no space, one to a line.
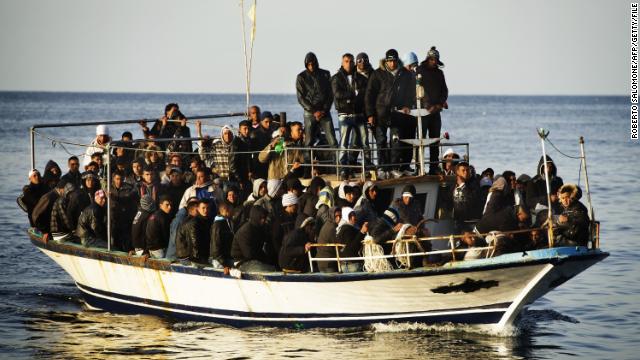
176,161
172,112
406,200
373,193
520,186
127,138
565,199
535,236
361,65
296,192
175,178
232,197
201,177
347,64
352,218
137,168
74,165
512,182
227,136
91,168
224,211
311,67
244,131
117,181
522,216
193,166
97,159
411,67
337,216
101,200
146,176
262,190
462,172
349,197
291,209
432,62
153,157
119,152
89,182
392,64
165,206
266,123
550,167
296,132
253,114
203,209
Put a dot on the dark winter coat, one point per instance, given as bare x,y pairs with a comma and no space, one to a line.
435,86
409,214
576,230
221,240
138,229
313,89
157,230
92,225
348,95
537,188
352,238
386,92
292,254
42,211
240,159
186,237
249,240
31,194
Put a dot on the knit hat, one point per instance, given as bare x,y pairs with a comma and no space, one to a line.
266,114
89,174
434,54
362,57
289,199
147,204
273,185
410,58
391,54
391,214
448,152
102,130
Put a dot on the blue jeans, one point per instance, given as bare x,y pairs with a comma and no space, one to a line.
349,123
312,127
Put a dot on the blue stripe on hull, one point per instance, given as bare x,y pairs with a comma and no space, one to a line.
113,303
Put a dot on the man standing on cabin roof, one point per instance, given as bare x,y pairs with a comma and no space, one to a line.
388,100
313,87
348,91
436,94
98,144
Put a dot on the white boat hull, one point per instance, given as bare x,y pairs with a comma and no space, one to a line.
491,291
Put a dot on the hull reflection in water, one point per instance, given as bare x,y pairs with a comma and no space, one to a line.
487,291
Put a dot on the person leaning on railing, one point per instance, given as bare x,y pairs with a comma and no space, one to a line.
281,152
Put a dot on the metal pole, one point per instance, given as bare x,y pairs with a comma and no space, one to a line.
107,148
543,135
310,261
586,178
420,95
32,138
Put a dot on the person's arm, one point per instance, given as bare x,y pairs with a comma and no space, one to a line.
301,93
328,96
373,88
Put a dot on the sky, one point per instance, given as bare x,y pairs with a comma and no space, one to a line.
494,47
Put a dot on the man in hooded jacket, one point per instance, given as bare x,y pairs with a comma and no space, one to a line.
313,88
248,243
537,189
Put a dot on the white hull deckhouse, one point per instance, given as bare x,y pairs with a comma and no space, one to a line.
489,290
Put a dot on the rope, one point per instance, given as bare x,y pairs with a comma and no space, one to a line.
369,249
558,150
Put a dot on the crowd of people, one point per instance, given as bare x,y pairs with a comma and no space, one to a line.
237,200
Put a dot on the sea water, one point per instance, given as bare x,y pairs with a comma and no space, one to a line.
595,315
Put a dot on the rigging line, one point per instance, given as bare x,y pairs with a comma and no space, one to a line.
558,150
244,48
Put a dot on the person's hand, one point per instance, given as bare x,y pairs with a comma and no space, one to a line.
273,142
365,228
226,270
431,108
318,115
295,165
445,105
199,128
397,227
164,120
468,239
183,122
405,110
307,247
371,120
563,219
143,124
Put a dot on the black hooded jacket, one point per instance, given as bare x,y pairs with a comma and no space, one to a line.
349,95
386,92
49,177
314,88
292,255
157,230
435,86
537,188
249,240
